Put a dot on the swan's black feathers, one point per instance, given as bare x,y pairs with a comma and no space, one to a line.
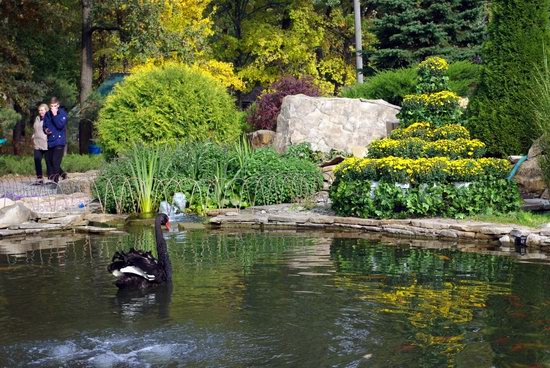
141,268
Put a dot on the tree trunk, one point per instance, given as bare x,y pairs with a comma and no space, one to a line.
86,66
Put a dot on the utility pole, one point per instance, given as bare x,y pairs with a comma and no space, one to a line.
358,42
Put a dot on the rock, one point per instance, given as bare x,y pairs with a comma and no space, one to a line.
463,102
328,177
514,159
6,202
534,239
222,211
105,219
39,226
15,215
333,161
328,168
447,234
94,229
358,151
261,138
332,123
78,183
76,220
505,240
529,176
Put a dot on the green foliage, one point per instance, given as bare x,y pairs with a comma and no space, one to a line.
438,108
428,133
501,113
167,104
146,165
213,176
521,218
8,118
392,85
387,200
270,178
417,148
408,30
24,165
389,85
541,107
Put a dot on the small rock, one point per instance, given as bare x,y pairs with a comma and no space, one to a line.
6,202
505,240
447,234
534,239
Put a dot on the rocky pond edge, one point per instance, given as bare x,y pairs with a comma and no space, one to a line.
283,217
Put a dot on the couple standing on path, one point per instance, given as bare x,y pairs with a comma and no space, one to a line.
49,140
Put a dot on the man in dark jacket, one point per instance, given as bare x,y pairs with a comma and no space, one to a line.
55,121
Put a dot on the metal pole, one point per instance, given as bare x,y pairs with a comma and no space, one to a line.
358,43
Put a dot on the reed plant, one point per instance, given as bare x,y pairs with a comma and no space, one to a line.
147,165
540,101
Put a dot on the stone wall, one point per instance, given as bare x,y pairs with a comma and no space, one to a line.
333,123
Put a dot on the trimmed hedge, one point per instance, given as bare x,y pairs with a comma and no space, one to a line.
427,132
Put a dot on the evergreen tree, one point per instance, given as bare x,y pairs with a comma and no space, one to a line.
500,113
410,30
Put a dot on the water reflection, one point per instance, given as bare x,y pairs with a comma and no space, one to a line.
275,299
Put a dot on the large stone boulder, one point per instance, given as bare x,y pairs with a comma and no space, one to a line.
333,123
15,214
529,176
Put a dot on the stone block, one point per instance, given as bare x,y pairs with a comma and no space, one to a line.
332,123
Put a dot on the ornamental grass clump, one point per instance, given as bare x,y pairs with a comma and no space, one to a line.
428,167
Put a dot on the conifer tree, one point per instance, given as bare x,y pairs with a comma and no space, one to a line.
501,113
410,30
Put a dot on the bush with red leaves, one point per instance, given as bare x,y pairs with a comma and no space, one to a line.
268,105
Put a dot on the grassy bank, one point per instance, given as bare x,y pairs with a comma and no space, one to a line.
523,218
24,165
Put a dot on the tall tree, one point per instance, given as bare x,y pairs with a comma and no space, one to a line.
410,30
265,39
501,113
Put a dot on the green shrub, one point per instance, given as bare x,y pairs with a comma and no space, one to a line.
501,113
213,176
417,148
426,132
392,85
386,200
169,103
464,77
269,178
438,108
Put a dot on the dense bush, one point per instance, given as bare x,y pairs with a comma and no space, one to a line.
387,200
269,178
418,148
501,113
166,104
428,133
214,176
267,107
438,108
24,165
392,85
423,170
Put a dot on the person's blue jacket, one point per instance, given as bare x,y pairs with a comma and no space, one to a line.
56,125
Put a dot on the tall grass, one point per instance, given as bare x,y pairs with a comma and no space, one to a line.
540,100
147,165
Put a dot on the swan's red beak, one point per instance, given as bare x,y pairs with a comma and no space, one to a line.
167,226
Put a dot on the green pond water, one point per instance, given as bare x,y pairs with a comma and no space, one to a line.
273,299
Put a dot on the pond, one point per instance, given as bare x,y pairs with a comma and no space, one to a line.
243,299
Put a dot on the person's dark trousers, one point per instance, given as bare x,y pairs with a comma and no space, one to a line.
38,155
54,155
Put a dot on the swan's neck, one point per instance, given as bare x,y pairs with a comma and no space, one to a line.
162,251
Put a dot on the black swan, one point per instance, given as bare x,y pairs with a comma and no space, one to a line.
137,269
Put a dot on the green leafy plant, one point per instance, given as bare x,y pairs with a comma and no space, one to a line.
146,166
169,103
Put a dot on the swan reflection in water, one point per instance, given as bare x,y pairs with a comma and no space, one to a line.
139,303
